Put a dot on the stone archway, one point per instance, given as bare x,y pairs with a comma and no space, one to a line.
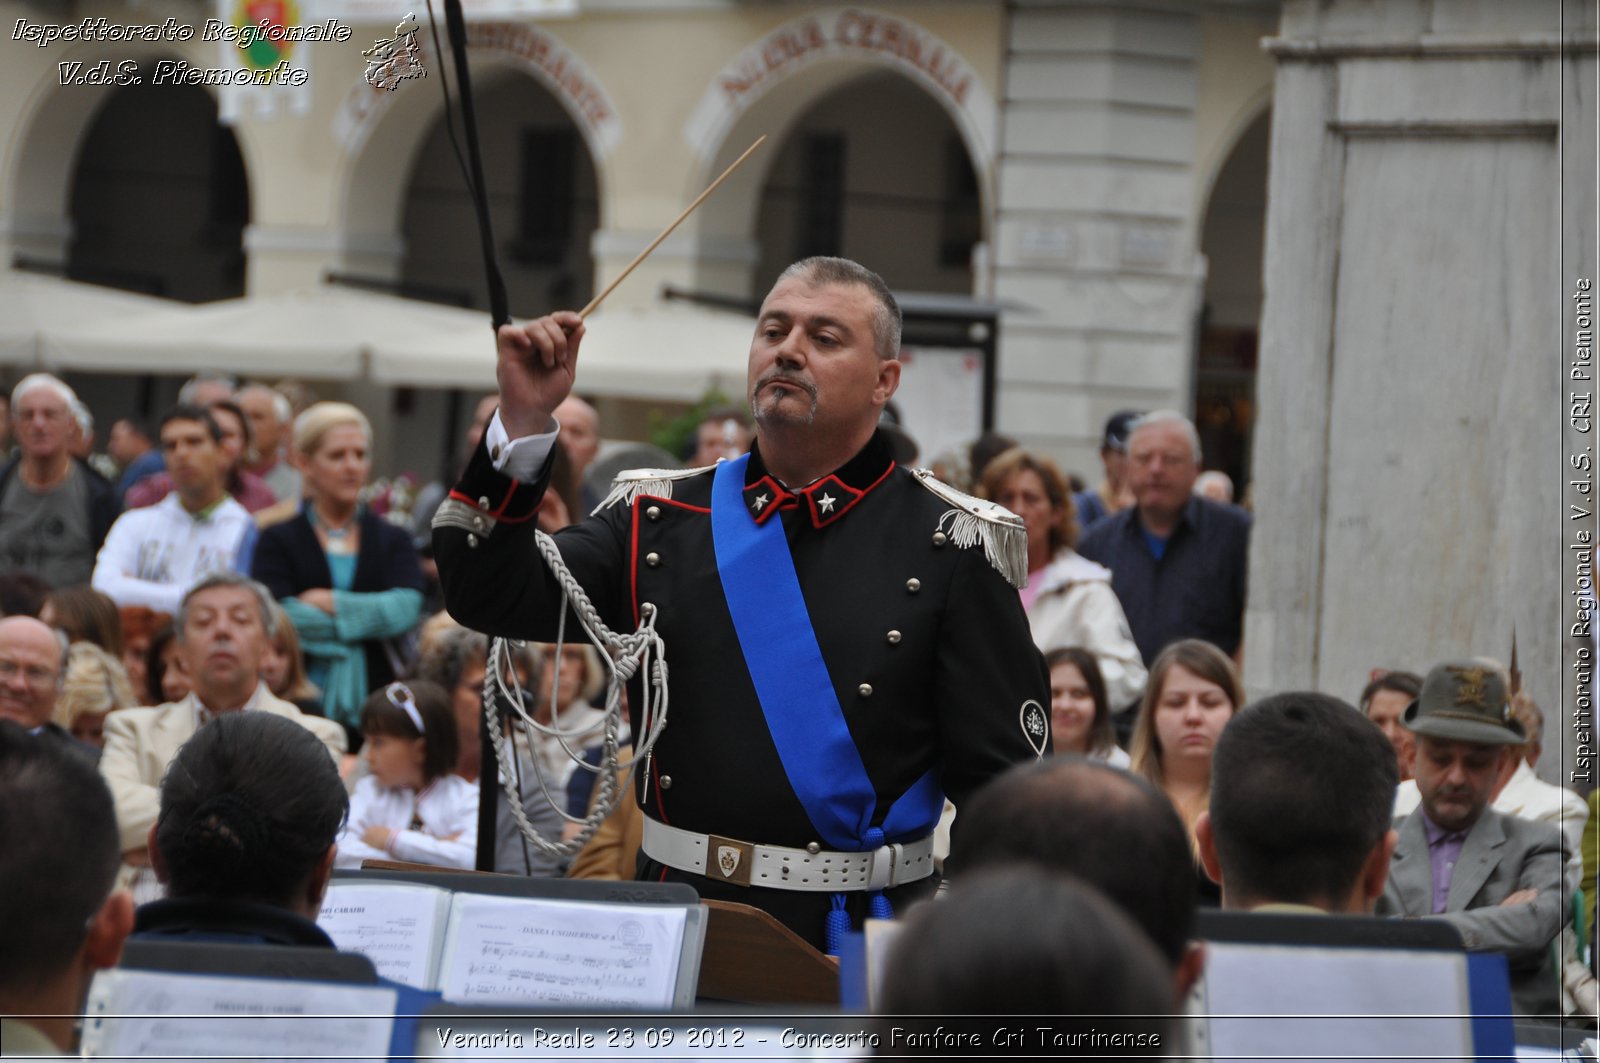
159,197
542,192
1231,233
385,134
874,170
812,57
54,144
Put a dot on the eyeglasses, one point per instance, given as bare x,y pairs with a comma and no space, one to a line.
35,676
400,697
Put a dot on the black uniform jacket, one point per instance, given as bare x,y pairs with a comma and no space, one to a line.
926,642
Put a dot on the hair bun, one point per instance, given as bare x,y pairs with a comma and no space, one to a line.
227,826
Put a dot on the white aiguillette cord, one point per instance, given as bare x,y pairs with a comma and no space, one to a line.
624,657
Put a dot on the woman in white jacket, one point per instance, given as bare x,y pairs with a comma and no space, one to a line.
412,806
1068,599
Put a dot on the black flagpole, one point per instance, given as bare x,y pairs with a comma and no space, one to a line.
472,171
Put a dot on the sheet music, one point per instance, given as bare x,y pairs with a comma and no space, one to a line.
1323,996
158,1015
397,927
520,951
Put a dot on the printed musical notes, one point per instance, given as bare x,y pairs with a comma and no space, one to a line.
508,950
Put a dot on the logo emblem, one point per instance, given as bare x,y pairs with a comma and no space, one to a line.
395,59
1471,691
1035,726
731,858
264,52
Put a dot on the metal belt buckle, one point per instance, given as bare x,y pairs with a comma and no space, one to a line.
729,860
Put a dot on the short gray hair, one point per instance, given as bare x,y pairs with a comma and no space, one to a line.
886,318
264,599
281,409
82,415
35,381
1173,417
191,386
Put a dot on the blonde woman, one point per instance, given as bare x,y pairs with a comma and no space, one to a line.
283,666
1193,692
95,686
348,579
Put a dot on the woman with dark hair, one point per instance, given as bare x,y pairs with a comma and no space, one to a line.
1068,599
411,806
85,615
250,811
164,672
139,627
1080,720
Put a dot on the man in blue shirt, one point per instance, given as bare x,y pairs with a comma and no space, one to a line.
1178,562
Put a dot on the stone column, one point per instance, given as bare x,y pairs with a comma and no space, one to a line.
1094,223
1408,449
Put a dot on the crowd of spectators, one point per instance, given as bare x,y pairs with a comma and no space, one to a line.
233,563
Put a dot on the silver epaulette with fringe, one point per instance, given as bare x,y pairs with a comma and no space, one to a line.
974,521
629,484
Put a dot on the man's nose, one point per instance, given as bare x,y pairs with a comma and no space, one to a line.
791,351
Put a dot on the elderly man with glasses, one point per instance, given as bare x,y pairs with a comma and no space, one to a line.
33,662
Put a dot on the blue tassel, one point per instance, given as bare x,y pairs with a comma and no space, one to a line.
879,907
835,925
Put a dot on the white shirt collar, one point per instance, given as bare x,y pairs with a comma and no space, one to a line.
203,715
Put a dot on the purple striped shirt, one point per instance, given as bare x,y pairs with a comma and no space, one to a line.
1444,851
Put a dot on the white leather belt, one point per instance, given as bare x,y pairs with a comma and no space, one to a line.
779,867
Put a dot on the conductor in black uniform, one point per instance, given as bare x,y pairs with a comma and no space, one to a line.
844,636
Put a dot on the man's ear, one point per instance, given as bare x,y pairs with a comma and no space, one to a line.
108,929
158,864
1375,872
1189,969
888,380
1208,848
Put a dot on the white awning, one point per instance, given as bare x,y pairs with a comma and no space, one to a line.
323,333
31,303
670,352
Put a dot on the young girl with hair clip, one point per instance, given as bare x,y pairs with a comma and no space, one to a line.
412,807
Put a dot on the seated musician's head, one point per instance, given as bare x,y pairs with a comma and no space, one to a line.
1111,829
1022,939
1302,792
59,855
250,810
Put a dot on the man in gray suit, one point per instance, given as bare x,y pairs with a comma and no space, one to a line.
1495,878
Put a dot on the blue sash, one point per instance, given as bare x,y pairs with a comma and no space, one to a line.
792,682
